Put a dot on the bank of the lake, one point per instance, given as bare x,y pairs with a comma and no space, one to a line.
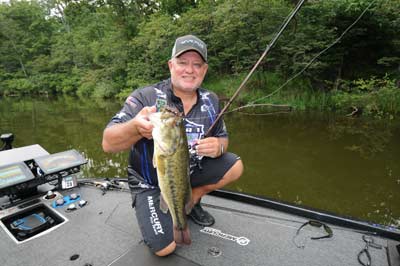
373,97
347,165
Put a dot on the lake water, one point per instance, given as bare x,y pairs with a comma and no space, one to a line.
349,166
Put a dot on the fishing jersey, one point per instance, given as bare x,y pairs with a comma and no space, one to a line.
141,172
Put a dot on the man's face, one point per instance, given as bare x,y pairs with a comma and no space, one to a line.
187,71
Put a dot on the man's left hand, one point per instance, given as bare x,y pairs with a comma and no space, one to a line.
210,147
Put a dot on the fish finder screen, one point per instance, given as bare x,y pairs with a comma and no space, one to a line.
60,161
14,174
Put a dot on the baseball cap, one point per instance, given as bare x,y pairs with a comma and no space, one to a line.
187,43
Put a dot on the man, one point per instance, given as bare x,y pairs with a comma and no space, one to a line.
212,167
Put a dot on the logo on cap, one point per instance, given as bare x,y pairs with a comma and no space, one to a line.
187,43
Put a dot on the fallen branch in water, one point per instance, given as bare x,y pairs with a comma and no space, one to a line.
262,105
355,111
281,106
272,113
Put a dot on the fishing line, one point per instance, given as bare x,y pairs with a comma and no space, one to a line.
268,48
277,34
251,104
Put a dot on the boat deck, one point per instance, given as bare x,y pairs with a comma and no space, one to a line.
105,232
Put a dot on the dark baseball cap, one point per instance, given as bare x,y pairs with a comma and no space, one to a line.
189,43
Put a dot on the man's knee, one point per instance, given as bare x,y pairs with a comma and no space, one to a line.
236,171
167,250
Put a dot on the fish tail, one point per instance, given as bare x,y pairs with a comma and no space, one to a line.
182,236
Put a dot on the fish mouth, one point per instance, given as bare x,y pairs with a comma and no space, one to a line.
153,118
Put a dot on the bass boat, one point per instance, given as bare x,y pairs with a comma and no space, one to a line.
51,215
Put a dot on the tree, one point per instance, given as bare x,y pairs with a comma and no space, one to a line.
25,36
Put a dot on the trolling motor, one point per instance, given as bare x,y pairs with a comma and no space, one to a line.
7,140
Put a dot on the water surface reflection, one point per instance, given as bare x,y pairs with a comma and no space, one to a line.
344,165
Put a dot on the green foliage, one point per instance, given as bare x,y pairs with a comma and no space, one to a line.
298,95
176,7
225,85
151,49
373,96
358,52
107,48
25,35
19,86
242,29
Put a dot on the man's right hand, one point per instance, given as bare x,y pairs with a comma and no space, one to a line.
143,125
120,137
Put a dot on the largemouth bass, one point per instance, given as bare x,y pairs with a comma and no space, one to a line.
171,158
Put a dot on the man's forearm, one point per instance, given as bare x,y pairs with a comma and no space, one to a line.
120,137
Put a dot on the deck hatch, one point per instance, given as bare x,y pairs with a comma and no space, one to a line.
31,222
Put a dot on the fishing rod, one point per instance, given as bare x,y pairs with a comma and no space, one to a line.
269,46
311,61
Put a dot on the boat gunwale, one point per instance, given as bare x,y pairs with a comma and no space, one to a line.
365,227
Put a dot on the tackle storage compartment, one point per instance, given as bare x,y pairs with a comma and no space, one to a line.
32,221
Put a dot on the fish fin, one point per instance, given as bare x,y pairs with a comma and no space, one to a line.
182,236
189,202
189,206
163,205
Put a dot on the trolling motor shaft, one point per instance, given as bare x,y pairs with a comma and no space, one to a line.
7,140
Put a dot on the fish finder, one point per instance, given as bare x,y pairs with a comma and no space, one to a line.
63,166
15,174
60,162
19,179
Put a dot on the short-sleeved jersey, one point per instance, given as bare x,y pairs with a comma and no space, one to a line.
141,173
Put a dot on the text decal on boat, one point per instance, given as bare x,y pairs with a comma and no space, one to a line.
243,241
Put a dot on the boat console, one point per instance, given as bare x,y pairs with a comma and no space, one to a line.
22,170
26,210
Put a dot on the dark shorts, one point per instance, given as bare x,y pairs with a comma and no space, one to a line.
156,227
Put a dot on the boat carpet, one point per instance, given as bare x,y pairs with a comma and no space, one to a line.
271,238
105,232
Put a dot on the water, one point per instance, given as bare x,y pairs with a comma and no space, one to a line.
343,165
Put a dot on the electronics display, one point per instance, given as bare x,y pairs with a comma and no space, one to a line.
57,162
19,179
14,174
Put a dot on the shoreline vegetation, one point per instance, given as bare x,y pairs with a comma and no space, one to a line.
106,49
377,97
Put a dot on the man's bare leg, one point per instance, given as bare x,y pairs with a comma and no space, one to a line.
167,250
233,174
